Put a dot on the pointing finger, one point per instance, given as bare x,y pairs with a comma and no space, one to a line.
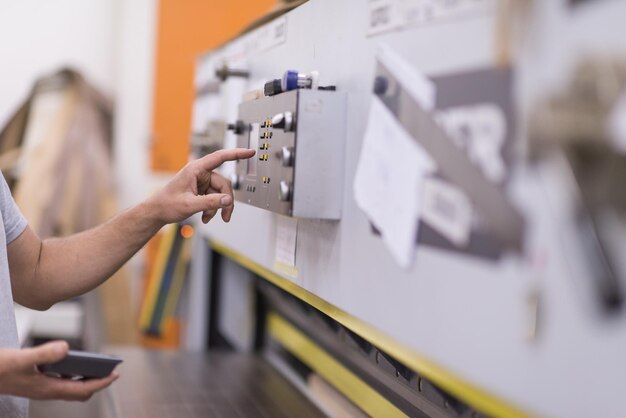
212,161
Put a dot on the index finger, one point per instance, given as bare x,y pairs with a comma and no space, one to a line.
217,158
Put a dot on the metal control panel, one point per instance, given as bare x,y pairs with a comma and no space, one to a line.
298,169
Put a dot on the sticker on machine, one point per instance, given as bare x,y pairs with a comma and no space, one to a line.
389,15
286,243
447,210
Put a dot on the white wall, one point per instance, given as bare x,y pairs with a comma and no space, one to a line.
134,68
112,43
38,37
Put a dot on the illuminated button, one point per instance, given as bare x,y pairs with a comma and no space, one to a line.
186,231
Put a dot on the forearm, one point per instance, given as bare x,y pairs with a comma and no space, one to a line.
74,265
43,273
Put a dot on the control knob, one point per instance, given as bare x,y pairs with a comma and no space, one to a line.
286,156
283,121
238,127
284,191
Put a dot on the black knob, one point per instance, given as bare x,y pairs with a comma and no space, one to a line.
224,72
272,88
238,127
381,84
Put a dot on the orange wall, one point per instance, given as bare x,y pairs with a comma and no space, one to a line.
187,28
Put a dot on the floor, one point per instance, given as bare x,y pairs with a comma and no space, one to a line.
174,384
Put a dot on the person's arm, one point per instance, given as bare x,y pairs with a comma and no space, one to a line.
45,272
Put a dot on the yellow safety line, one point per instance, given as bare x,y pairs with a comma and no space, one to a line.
469,393
361,394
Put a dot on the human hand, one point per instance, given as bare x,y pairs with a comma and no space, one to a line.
19,375
196,188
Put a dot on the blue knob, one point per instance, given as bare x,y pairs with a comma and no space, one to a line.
290,80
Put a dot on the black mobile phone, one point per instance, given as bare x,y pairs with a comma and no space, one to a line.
82,365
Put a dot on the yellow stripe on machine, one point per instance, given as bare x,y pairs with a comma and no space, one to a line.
361,394
446,380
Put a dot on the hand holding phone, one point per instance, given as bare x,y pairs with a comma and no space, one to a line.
78,365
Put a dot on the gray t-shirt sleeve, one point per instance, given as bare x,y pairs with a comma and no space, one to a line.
13,220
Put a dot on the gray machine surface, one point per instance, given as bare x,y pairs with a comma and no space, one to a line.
522,326
168,384
298,168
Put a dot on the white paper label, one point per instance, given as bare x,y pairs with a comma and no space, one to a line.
388,181
387,15
286,240
447,210
480,129
384,15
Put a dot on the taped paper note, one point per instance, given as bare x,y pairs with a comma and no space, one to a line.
388,181
387,15
384,15
286,240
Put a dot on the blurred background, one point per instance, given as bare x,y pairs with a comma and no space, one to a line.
133,63
499,293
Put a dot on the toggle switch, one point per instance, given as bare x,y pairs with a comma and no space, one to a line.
286,156
225,71
238,127
283,121
284,191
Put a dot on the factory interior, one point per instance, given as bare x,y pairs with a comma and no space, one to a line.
312,208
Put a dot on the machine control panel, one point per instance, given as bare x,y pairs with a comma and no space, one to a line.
299,139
